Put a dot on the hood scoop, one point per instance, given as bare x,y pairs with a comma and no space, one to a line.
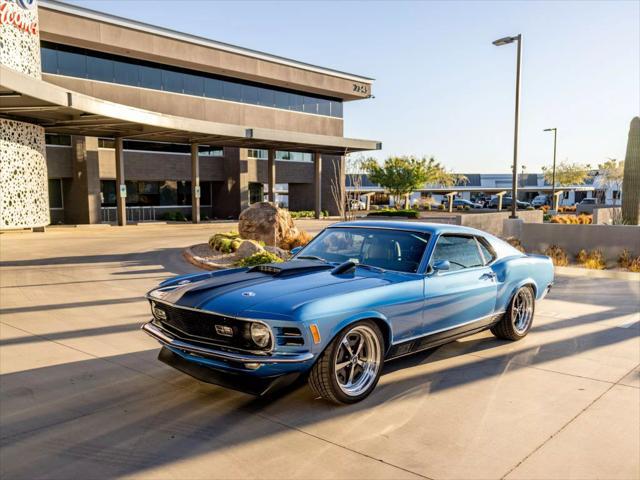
293,267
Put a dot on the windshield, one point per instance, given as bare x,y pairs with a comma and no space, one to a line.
389,249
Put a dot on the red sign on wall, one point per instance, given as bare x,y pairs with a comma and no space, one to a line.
16,14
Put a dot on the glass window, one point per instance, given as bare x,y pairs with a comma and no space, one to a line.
281,99
387,249
249,94
106,143
213,88
487,251
77,62
336,108
257,153
55,193
296,102
184,193
100,69
324,107
56,139
310,105
232,91
206,151
172,81
205,194
49,59
150,77
168,193
266,97
461,252
193,85
108,192
125,73
72,64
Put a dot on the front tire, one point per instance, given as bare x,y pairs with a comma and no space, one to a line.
517,321
350,367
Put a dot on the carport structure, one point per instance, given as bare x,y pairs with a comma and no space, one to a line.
61,111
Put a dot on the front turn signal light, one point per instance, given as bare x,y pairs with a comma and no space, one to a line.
315,332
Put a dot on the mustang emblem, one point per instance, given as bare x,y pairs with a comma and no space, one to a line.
248,294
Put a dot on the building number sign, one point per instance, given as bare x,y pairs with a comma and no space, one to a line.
360,88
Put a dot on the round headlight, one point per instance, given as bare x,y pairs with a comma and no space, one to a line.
260,334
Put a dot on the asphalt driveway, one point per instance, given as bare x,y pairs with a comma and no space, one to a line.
82,395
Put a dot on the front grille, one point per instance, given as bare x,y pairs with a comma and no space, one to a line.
200,327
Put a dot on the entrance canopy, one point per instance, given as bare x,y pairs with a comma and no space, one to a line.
60,110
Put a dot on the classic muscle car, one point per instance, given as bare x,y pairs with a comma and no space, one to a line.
359,294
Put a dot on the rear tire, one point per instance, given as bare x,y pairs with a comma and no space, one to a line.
517,321
349,368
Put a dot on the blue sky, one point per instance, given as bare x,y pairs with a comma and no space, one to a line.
441,87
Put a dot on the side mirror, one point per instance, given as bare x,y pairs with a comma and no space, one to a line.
441,265
295,250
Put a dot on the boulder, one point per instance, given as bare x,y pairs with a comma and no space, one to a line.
266,223
248,248
279,252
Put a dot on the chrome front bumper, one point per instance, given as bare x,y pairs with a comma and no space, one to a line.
171,342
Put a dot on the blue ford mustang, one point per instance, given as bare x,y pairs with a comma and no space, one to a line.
359,294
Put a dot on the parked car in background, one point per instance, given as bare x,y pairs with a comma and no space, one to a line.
540,200
359,294
587,205
461,202
506,203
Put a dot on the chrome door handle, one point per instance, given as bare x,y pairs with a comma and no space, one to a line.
488,276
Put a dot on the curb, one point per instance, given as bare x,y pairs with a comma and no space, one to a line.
585,272
200,262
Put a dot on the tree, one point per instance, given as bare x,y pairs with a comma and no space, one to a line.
567,173
631,197
405,174
610,175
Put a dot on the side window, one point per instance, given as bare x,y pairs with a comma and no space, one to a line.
487,251
461,252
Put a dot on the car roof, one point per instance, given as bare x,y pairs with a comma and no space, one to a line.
432,228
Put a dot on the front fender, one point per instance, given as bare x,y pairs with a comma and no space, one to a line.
329,330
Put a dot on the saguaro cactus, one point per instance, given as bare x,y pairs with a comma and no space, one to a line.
631,182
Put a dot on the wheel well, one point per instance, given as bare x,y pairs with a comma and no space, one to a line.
533,287
385,329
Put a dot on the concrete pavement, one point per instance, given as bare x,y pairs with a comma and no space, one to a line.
82,394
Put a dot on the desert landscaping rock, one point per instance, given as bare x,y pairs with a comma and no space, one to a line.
281,253
267,223
248,248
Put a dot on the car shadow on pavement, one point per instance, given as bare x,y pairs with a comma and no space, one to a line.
128,413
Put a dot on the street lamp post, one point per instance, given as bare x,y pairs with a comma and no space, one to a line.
514,182
553,172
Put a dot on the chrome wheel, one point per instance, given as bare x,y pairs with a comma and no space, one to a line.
522,310
357,360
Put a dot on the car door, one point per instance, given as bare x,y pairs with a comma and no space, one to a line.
463,294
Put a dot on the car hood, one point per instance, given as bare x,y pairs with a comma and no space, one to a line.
273,291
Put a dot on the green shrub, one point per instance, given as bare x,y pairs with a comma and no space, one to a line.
394,213
546,217
259,259
530,208
441,207
467,208
225,242
307,214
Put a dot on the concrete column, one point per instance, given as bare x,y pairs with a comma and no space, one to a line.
121,189
317,180
271,175
195,184
82,196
